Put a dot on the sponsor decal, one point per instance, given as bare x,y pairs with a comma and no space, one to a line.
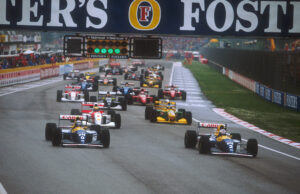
144,14
291,101
71,117
209,125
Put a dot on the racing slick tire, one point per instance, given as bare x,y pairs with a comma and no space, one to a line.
115,89
148,112
59,95
141,77
112,114
153,117
236,136
189,117
252,147
125,76
101,69
105,137
160,93
161,77
142,71
117,121
114,82
183,94
204,145
183,112
190,139
141,83
93,99
65,76
86,96
121,71
95,86
75,112
50,127
159,84
56,138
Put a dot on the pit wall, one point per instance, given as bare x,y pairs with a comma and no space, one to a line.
284,99
20,75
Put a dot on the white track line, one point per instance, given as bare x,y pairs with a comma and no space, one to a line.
267,148
2,189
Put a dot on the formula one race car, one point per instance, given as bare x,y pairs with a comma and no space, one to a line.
79,134
138,63
115,71
97,116
151,83
220,142
110,101
105,68
73,75
172,93
107,80
141,97
169,114
89,76
158,67
72,94
133,76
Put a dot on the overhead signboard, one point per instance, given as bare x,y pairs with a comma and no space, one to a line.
163,17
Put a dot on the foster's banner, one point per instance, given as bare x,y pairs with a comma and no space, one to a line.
164,17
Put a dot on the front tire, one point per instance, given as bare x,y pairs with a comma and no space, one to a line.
59,95
57,137
252,147
204,145
105,137
118,121
50,127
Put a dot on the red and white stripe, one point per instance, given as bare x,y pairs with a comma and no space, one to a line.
247,125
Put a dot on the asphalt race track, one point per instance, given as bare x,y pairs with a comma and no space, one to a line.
143,157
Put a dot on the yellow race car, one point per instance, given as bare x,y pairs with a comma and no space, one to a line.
167,113
151,83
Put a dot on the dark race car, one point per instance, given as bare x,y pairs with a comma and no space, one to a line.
171,92
79,134
133,76
110,101
220,142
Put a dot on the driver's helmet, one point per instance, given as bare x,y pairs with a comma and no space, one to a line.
77,122
108,94
222,130
126,84
96,108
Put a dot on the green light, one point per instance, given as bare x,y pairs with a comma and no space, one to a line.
103,50
117,51
97,50
110,51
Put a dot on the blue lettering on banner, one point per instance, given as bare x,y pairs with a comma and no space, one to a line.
277,97
257,88
291,101
262,90
268,94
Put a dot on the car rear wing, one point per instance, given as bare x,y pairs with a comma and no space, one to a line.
103,93
75,87
168,86
72,117
104,75
210,125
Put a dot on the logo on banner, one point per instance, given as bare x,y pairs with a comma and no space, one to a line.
144,14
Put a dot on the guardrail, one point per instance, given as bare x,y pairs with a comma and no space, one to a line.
20,75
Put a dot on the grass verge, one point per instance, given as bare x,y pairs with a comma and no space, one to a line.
246,105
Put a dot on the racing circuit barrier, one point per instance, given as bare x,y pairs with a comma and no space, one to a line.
20,75
278,97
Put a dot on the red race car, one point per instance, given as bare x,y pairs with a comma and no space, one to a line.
172,93
141,97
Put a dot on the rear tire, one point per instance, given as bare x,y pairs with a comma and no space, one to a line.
189,117
50,127
160,94
153,117
105,137
183,95
86,96
204,145
59,95
118,121
56,138
252,147
114,82
190,139
148,112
